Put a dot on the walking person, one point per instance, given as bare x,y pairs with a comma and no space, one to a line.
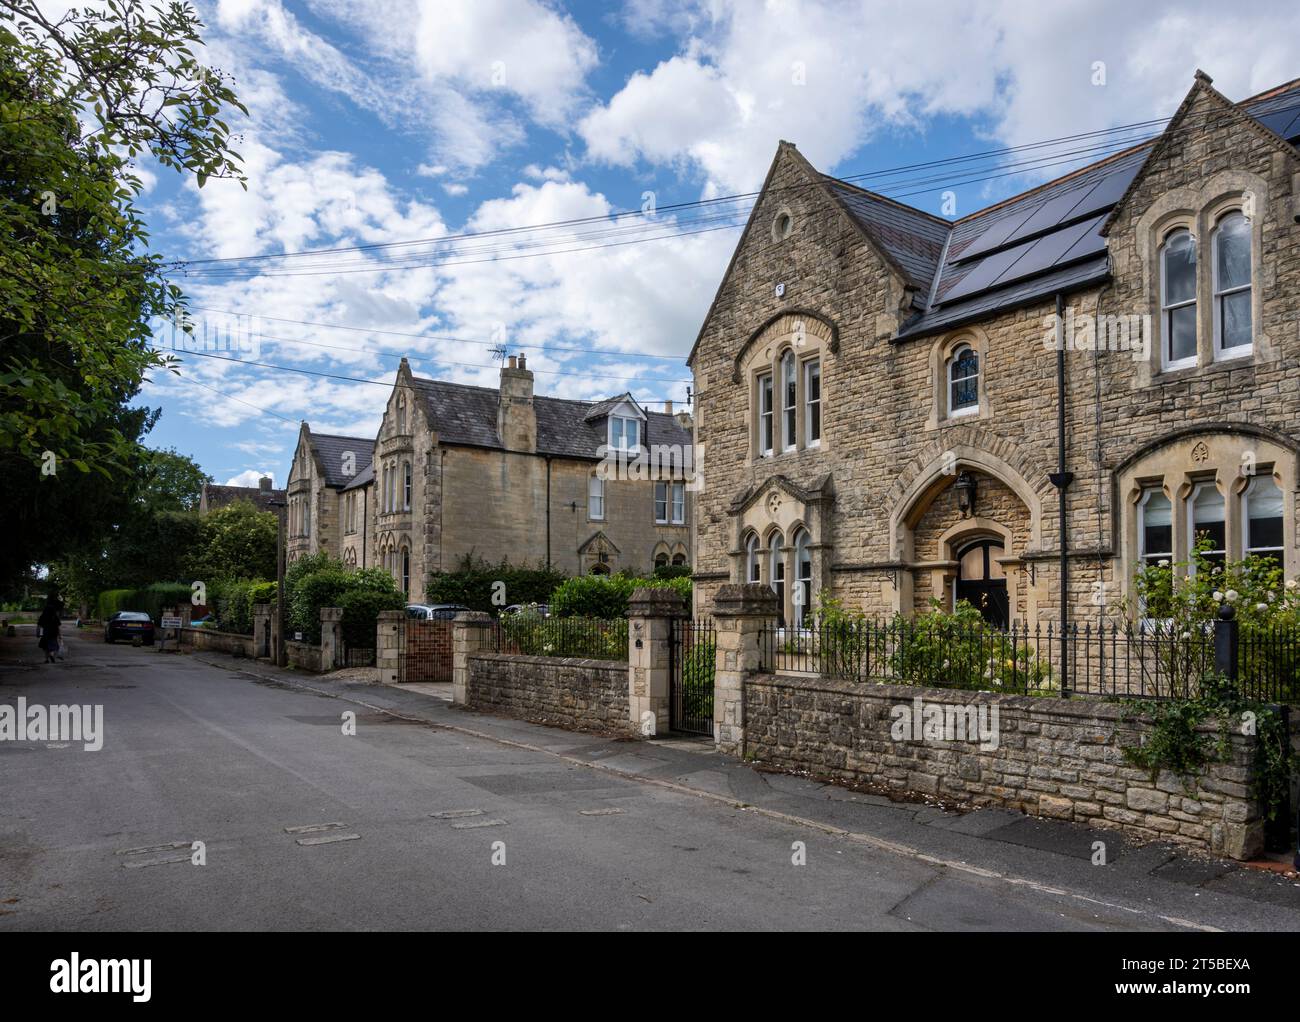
49,624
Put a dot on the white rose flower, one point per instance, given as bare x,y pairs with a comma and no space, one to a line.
1291,583
1231,595
1261,606
1218,596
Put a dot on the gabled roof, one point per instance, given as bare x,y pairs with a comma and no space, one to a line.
330,450
1024,248
219,496
363,478
465,415
602,409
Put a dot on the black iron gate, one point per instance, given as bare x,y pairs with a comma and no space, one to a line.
692,655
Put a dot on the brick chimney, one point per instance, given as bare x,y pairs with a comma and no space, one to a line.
516,418
264,484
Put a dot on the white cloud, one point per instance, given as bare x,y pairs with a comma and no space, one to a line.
1022,70
250,478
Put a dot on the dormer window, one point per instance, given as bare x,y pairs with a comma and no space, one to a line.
624,433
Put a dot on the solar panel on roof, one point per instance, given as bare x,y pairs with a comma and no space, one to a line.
985,272
1285,122
1001,225
1052,212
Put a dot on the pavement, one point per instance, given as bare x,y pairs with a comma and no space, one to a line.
430,816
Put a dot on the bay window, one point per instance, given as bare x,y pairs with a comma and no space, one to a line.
1206,511
1262,512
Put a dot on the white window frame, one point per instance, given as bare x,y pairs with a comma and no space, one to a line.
620,428
789,403
812,367
766,414
595,498
971,409
776,571
1222,354
677,496
753,564
1166,329
1191,523
407,485
802,550
1145,556
1247,549
661,503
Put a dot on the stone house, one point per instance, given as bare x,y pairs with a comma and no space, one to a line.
263,496
323,466
459,470
894,411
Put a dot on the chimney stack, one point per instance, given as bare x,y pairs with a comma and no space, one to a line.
668,407
516,417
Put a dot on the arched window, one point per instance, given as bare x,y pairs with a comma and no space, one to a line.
1155,527
406,571
765,427
679,560
406,486
789,396
1232,326
1178,299
306,517
803,577
753,569
599,569
963,381
1262,512
595,497
661,560
776,573
1206,511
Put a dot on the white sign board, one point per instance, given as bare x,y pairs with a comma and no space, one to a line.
171,622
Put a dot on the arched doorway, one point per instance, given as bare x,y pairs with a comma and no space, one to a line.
981,582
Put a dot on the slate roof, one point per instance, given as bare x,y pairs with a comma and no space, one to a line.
1027,247
466,415
363,478
219,496
329,451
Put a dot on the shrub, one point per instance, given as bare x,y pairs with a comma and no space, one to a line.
323,582
228,601
672,571
607,596
473,583
959,649
151,599
361,609
533,635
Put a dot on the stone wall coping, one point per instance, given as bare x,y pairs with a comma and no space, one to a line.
744,599
473,616
392,615
656,602
213,631
1080,707
331,613
553,661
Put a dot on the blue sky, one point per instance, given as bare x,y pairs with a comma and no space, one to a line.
373,122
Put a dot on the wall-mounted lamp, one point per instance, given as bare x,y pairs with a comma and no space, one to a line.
965,487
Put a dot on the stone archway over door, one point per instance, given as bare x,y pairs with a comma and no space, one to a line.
981,582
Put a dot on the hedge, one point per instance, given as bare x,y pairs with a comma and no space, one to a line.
152,599
474,584
607,596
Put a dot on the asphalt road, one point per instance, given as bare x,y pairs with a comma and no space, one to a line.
534,838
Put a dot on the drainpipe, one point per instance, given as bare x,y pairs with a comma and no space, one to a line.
1061,479
548,510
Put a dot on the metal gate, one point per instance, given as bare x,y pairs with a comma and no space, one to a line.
692,656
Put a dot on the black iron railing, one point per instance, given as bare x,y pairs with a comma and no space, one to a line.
533,635
1132,659
693,656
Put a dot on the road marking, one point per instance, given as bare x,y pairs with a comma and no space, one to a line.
881,844
313,828
456,814
154,848
475,824
600,812
159,861
328,839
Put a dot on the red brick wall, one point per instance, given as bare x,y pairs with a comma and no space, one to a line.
428,651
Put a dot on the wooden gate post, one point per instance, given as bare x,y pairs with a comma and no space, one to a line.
741,613
650,616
